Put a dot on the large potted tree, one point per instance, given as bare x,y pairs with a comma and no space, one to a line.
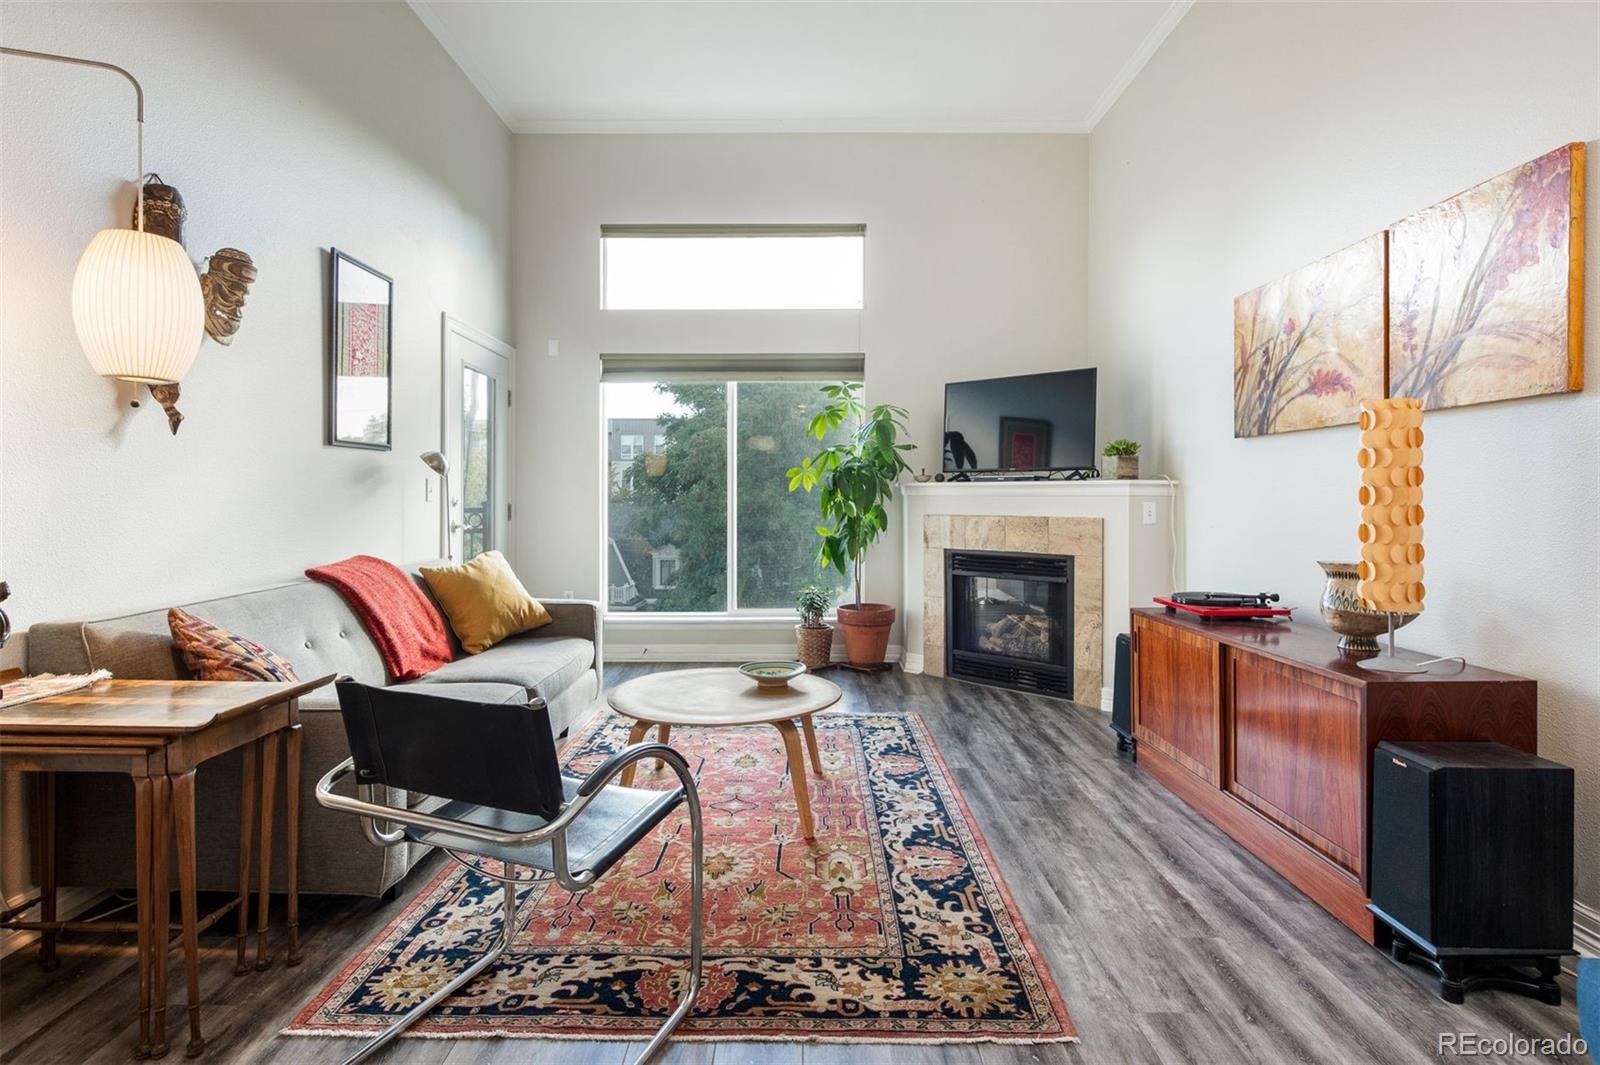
857,478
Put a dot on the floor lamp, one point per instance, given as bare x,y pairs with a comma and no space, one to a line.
441,465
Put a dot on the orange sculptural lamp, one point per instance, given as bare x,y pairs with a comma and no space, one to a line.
1391,519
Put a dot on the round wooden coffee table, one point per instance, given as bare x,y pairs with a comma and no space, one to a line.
716,698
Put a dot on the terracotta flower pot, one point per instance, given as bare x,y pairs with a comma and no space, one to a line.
866,632
814,647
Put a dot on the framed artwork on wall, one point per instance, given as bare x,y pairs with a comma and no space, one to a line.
1486,289
1309,346
1024,444
360,347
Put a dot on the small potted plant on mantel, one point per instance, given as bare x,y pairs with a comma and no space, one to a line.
1126,452
857,477
813,637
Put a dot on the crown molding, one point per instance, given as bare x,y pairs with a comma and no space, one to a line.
1130,70
789,125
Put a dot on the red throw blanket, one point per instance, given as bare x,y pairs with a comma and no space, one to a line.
407,629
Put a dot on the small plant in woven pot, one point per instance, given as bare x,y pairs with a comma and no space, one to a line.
813,636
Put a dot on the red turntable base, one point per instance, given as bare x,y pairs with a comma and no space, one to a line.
1225,613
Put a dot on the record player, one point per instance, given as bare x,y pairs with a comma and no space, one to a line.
1225,606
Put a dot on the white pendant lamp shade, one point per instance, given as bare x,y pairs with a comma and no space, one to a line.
137,307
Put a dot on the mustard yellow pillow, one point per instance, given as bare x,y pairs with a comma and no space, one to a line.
484,601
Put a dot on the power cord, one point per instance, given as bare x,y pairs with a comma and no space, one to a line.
1172,526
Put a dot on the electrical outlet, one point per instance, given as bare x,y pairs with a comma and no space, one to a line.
1149,513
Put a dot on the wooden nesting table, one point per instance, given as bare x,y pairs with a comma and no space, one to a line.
159,732
719,698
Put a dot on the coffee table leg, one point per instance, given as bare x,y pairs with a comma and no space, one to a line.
662,732
183,824
811,742
247,827
797,775
635,735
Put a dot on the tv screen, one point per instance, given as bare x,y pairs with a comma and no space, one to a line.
1040,421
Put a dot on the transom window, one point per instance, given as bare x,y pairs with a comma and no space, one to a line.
705,523
733,268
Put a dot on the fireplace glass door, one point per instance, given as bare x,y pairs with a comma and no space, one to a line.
1010,619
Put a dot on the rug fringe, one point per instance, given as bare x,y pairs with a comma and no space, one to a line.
692,1037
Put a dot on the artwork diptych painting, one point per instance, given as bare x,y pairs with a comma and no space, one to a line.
1308,347
1486,289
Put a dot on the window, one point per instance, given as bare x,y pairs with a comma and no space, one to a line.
666,566
660,445
631,446
733,268
684,535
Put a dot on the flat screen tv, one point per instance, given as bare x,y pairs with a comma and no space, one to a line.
1035,423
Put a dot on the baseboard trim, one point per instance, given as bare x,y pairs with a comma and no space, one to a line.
911,663
699,652
1105,700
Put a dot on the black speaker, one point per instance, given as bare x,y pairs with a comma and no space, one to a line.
1122,698
1472,863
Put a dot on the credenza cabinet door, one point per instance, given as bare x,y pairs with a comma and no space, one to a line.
1177,706
1297,755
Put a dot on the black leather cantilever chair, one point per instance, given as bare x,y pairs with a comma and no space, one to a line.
494,766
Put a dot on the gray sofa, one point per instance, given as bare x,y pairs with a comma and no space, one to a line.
311,625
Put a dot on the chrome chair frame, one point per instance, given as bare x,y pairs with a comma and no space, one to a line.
554,832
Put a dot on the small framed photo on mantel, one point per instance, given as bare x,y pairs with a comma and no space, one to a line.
360,347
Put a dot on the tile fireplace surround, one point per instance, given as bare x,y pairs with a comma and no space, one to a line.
1119,560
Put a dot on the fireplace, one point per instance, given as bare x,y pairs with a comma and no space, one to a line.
1008,620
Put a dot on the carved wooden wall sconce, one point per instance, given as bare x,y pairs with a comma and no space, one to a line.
227,280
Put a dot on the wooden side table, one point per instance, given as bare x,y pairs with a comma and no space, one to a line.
159,733
726,697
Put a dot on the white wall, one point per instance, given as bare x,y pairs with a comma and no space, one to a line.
975,267
1263,136
288,128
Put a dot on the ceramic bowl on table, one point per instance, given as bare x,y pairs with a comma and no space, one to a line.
772,674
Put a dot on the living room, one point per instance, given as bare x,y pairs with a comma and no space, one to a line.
686,309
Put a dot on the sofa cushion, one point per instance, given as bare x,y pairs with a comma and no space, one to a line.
212,652
484,601
305,622
543,667
326,698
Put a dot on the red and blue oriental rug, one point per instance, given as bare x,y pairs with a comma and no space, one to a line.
893,925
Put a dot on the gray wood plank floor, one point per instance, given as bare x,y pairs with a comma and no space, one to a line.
1169,942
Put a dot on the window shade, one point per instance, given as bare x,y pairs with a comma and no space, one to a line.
831,366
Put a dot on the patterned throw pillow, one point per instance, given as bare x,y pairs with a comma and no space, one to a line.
213,653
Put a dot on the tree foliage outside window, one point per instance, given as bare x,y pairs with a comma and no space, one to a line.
678,499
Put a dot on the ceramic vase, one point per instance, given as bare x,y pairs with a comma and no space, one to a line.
1358,627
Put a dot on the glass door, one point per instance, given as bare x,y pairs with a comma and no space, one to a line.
477,400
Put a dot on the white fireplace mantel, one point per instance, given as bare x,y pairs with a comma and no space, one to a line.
1138,544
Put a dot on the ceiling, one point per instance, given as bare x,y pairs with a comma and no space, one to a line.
595,67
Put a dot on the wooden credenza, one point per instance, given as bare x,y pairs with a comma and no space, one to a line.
1267,731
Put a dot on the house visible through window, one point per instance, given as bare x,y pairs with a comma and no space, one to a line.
733,268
